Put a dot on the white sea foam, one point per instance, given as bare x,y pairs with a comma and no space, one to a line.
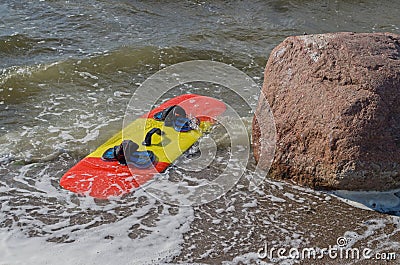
103,244
383,201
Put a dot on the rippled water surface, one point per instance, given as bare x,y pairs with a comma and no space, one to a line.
67,73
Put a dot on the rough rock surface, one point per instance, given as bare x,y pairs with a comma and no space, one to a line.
336,103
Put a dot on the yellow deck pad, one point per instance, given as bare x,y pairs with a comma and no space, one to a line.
167,147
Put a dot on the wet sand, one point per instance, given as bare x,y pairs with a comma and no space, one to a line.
286,216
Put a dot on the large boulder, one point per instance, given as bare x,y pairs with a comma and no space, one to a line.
336,103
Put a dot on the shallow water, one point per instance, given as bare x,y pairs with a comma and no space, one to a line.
67,73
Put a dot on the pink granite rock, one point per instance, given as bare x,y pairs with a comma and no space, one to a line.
336,103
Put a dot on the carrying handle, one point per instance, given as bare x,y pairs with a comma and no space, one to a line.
147,139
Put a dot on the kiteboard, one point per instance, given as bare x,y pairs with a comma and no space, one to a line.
144,148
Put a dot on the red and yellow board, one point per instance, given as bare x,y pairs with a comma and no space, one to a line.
103,179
